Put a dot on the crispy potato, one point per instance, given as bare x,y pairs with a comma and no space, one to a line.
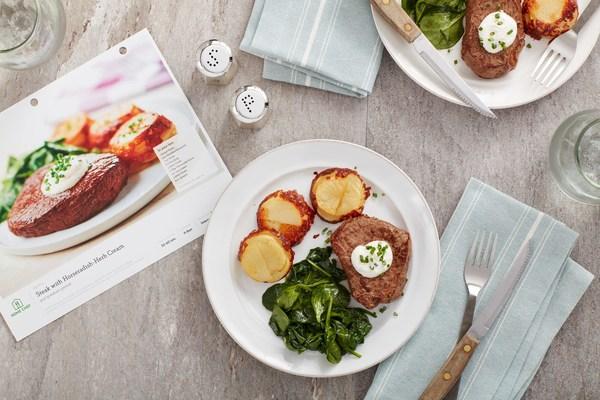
102,130
549,18
287,213
74,130
338,194
135,140
265,256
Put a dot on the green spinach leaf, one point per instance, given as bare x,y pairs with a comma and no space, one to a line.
310,310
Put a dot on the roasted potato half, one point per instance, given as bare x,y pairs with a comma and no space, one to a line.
338,194
287,213
265,256
135,140
549,18
74,130
103,129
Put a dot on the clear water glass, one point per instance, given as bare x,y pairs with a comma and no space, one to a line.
575,156
31,31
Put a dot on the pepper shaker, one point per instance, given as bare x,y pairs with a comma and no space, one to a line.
250,107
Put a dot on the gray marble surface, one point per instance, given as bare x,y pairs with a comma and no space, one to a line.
127,344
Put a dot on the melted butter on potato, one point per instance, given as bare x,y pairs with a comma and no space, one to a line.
338,194
265,257
287,213
280,212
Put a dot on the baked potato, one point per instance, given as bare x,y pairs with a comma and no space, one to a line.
265,256
549,18
74,130
102,130
287,213
338,194
135,140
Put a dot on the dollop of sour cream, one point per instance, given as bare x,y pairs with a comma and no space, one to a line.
65,173
372,259
497,32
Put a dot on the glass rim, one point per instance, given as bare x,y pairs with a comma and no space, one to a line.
35,22
577,152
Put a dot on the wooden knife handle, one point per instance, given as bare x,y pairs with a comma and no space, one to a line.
450,373
393,12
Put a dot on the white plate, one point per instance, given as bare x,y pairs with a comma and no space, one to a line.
511,90
141,188
236,299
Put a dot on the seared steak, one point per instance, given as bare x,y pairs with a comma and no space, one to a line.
484,64
359,231
35,214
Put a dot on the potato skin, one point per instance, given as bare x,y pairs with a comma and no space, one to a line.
537,25
101,131
338,173
282,241
74,130
292,233
140,148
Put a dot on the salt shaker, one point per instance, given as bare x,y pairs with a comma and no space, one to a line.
250,107
215,62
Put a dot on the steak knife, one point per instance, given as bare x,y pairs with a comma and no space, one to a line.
392,11
450,372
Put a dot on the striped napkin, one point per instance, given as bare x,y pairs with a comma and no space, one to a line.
507,359
325,44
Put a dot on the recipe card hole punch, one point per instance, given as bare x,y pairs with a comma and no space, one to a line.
123,50
34,102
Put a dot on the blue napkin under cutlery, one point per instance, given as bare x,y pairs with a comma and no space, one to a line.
508,357
325,44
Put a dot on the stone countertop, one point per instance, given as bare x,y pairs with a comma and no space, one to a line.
128,342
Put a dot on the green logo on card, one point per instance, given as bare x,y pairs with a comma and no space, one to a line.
18,307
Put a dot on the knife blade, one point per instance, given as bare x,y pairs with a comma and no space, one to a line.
393,12
486,317
449,374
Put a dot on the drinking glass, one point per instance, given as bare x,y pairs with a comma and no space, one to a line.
575,156
31,31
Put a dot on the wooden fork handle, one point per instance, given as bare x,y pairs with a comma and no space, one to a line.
393,12
450,372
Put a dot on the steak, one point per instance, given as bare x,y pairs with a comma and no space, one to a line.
359,231
35,214
484,64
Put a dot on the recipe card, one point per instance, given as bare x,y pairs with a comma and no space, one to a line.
90,167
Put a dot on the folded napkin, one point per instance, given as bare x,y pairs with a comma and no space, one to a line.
325,44
510,354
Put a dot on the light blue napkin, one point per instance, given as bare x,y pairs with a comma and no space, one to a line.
509,356
324,44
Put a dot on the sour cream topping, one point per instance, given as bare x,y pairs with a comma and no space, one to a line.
372,259
65,173
497,32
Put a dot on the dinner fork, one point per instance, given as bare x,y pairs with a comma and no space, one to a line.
478,269
560,52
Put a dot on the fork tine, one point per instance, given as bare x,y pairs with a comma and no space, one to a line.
481,248
473,250
552,69
557,74
542,59
489,250
545,66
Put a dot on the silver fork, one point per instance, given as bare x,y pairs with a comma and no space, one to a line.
560,52
478,269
